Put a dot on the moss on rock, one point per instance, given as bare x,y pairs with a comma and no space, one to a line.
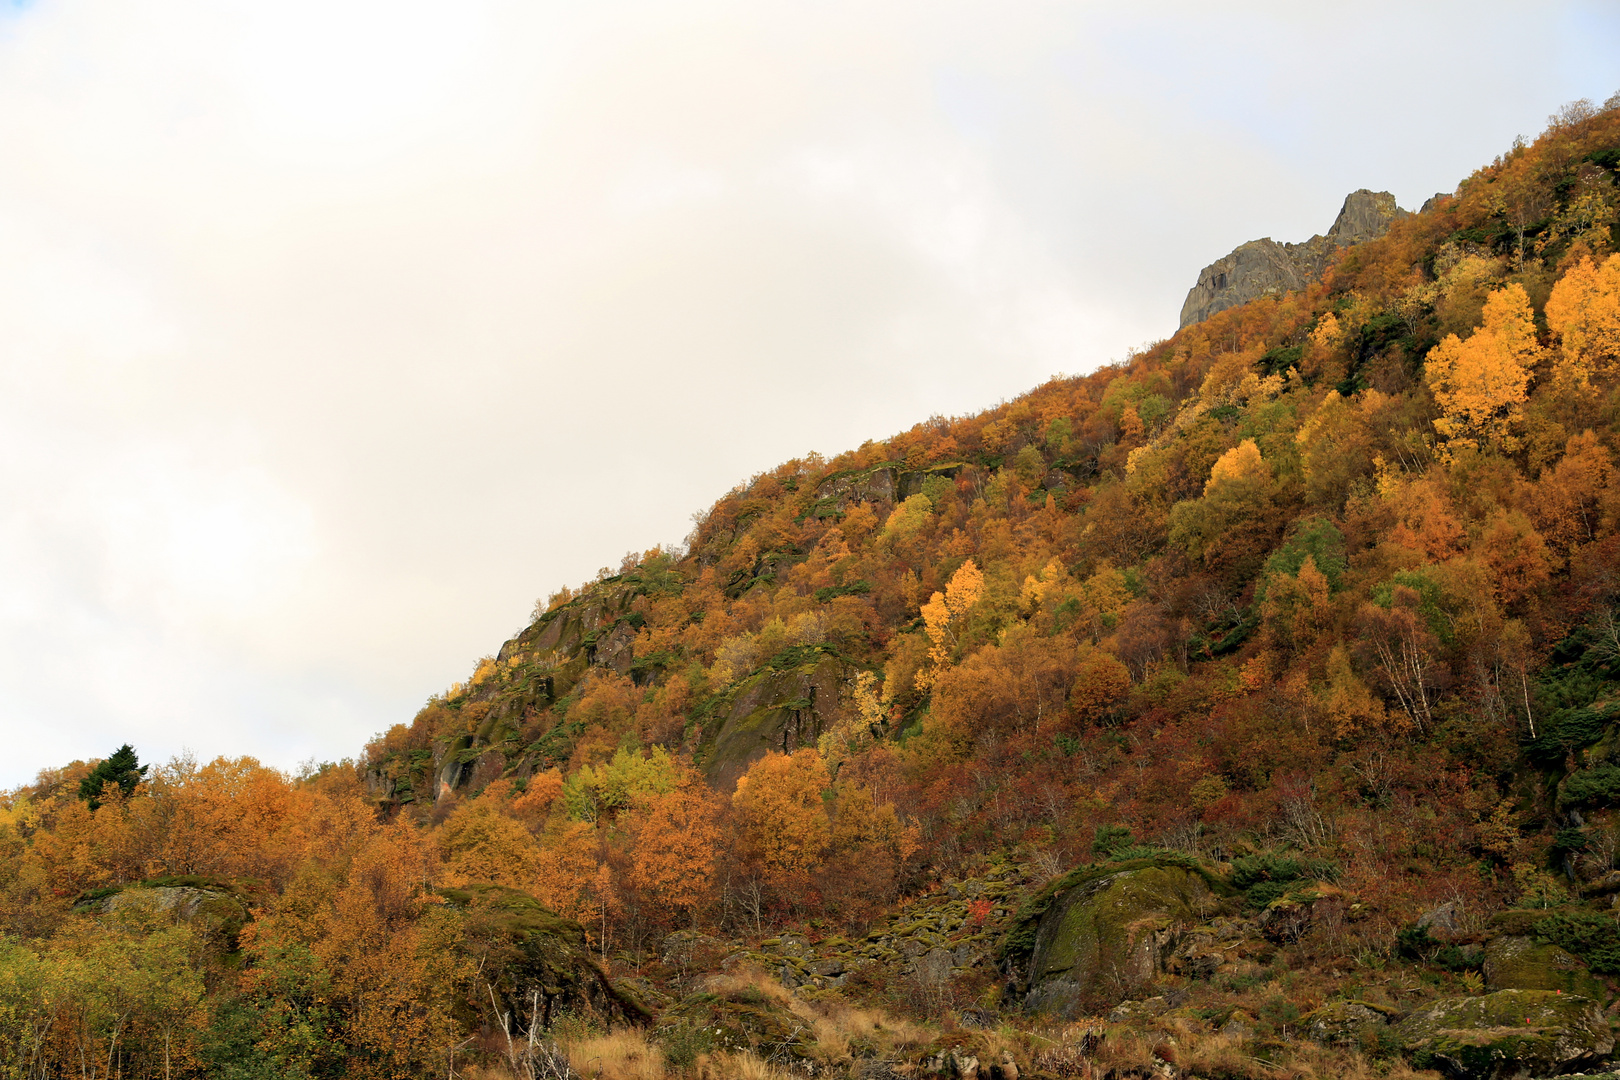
536,960
1506,1034
1099,934
1345,1023
738,1015
1514,962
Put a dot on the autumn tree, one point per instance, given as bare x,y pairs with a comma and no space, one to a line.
674,844
478,843
390,951
783,817
1584,312
1229,527
1005,689
1480,383
942,619
1395,628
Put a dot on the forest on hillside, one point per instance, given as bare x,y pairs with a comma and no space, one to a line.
1318,599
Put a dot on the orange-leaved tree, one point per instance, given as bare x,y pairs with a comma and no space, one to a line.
674,842
783,818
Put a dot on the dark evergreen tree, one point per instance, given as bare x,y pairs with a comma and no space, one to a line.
122,768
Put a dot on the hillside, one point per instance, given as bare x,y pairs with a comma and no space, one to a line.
1247,708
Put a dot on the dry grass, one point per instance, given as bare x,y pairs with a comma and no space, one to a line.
743,1066
621,1054
1090,1050
835,1023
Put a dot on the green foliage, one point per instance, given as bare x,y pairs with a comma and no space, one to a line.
590,794
1416,943
939,490
1597,786
134,995
1564,731
1593,938
1431,604
122,768
1576,693
854,588
1280,358
1267,877
1322,541
1570,840
1111,839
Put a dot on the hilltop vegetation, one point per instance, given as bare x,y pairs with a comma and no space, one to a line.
1286,632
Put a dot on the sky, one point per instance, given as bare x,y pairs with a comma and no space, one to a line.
334,333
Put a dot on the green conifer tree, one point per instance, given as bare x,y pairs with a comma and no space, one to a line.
122,768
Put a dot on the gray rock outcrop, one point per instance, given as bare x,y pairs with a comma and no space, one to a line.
1263,267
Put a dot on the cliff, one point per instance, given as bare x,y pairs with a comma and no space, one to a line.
1264,266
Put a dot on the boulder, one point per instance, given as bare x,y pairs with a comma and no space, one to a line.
1443,923
739,1016
1509,1033
537,962
1344,1023
1099,934
1136,1010
216,910
1513,962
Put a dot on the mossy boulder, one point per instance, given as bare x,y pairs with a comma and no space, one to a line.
1509,1033
1345,1023
1102,933
216,910
1515,962
736,1014
537,961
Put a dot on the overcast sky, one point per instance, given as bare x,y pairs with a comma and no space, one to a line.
333,333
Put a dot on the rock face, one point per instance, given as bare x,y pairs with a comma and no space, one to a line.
782,707
1263,267
1506,1034
1105,933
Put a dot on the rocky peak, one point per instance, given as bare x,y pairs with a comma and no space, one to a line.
1261,267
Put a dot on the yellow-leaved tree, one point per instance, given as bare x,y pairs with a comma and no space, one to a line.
1480,384
942,616
1584,311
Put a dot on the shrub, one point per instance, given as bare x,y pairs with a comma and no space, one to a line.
1111,839
1593,938
1599,784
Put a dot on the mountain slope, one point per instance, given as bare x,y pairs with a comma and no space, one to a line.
1263,686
